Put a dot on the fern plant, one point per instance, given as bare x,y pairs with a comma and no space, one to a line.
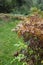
31,29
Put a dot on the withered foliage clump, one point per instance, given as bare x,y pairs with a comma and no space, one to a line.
32,26
32,30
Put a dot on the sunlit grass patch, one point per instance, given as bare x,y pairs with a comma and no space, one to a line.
7,41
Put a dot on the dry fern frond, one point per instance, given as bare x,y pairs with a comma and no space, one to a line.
33,26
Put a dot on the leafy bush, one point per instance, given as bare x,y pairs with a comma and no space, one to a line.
5,6
32,32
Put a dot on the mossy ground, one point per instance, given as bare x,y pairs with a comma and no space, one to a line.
7,41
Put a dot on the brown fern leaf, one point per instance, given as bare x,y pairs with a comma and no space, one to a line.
32,26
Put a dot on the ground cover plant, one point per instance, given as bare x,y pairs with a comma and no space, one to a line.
31,29
8,39
25,45
21,32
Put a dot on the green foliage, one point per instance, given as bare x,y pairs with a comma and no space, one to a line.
7,41
35,10
19,6
33,54
41,6
5,6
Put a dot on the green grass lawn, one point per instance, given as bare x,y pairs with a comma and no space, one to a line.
7,41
